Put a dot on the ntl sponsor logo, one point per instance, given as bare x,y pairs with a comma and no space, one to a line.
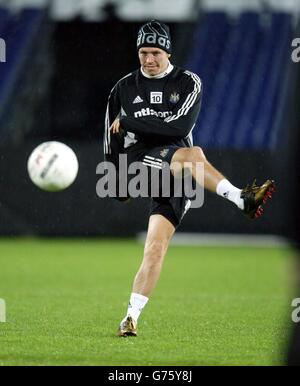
2,311
296,52
2,51
151,178
146,112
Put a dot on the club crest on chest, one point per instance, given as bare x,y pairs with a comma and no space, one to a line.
164,152
174,98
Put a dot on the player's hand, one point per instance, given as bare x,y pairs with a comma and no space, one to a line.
115,127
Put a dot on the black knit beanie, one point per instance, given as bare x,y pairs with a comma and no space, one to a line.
155,34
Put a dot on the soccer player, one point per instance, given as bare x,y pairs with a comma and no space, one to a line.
150,117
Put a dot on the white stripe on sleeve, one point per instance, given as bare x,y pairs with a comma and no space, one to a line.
190,100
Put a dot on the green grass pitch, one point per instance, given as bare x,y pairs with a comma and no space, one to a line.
212,306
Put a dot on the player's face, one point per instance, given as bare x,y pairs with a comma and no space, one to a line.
153,60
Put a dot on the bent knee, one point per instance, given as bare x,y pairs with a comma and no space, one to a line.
189,154
196,153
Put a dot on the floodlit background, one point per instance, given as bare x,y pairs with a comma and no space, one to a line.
231,278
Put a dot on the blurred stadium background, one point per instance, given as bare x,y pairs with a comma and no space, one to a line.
64,56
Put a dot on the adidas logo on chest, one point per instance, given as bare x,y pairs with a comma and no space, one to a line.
138,99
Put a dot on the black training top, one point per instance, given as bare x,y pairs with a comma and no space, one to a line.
156,111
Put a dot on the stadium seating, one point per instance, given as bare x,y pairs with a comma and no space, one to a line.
4,18
243,64
18,32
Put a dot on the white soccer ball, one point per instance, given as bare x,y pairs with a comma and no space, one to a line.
52,166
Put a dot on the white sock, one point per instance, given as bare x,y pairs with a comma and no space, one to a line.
136,304
227,190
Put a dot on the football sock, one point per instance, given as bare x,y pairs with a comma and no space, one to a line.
227,190
136,304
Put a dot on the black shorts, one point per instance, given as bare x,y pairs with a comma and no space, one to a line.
172,208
